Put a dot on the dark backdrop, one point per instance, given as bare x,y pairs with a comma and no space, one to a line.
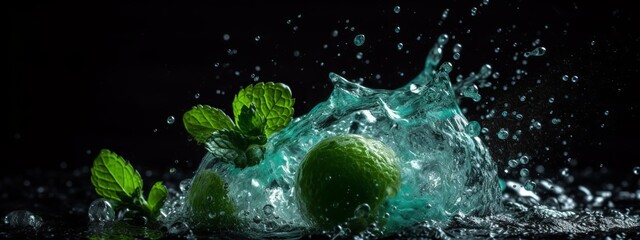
84,76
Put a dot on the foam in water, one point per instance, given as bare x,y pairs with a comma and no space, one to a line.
446,169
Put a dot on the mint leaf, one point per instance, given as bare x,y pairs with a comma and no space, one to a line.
156,198
202,120
273,102
250,122
115,178
229,146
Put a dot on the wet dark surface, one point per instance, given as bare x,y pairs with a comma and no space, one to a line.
84,77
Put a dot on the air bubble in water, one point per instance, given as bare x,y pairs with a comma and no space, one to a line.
268,209
397,29
178,228
551,100
257,38
536,125
472,129
564,172
171,120
524,172
636,170
196,96
530,185
359,40
565,77
555,121
474,11
334,33
524,159
503,134
396,9
226,37
23,219
101,210
574,79
359,55
400,45
362,211
513,163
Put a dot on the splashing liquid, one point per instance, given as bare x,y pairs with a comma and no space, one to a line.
446,169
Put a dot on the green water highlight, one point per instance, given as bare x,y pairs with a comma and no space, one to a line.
446,169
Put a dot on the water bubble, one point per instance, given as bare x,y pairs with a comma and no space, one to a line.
564,172
400,45
257,38
485,2
505,114
565,77
524,172
196,96
523,98
484,130
226,37
396,9
513,163
551,100
503,134
185,185
178,228
636,170
171,120
497,50
539,51
519,116
574,79
456,56
362,211
445,14
359,40
101,210
397,29
536,125
334,33
555,121
474,11
23,219
268,209
359,55
472,129
529,185
524,159
443,39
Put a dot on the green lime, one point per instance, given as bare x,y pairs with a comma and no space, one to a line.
209,204
345,179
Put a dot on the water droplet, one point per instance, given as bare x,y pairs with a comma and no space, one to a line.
519,116
172,170
445,14
484,130
362,211
565,77
524,172
524,159
257,38
472,129
23,219
226,37
523,98
171,120
485,2
359,40
574,79
503,134
396,9
178,228
456,56
551,100
101,210
539,51
359,55
443,39
513,163
497,50
334,33
185,185
606,113
536,125
593,43
474,11
397,29
196,96
636,170
530,185
564,172
268,209
400,45
555,121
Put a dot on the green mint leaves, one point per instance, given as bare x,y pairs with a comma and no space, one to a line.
114,178
259,110
273,102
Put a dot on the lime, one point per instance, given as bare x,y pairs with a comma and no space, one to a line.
209,204
345,179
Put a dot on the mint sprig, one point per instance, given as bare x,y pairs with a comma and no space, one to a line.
114,178
259,110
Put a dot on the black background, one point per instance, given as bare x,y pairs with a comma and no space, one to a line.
84,76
